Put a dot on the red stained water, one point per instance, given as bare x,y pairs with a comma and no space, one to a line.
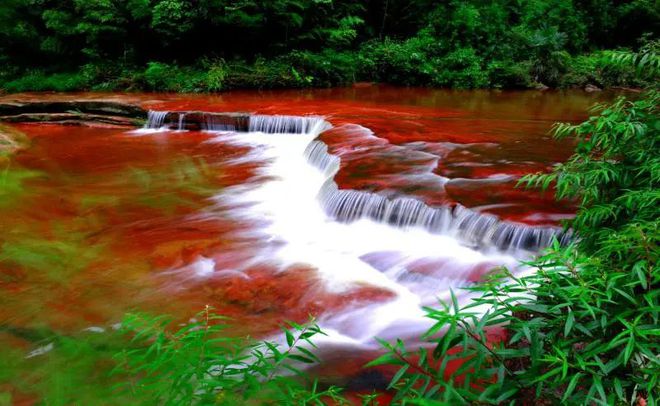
483,141
115,217
121,203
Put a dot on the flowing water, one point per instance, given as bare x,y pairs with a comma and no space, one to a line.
358,206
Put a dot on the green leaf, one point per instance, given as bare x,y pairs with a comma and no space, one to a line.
571,386
301,358
570,319
398,375
385,359
289,338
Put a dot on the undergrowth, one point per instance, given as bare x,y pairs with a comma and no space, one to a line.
199,363
584,327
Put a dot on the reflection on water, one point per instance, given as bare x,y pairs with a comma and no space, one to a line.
97,222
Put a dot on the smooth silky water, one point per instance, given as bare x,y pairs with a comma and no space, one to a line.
358,206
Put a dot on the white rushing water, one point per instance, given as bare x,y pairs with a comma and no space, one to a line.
353,238
362,253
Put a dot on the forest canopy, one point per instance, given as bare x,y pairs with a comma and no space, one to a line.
219,44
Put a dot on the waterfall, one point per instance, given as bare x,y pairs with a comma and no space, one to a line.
156,119
317,154
475,229
198,120
352,238
286,124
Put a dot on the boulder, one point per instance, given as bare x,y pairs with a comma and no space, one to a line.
592,88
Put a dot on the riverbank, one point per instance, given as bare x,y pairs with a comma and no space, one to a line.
391,64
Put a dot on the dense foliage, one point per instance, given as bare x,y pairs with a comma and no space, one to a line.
583,328
200,364
209,45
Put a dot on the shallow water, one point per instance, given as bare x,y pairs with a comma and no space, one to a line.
105,220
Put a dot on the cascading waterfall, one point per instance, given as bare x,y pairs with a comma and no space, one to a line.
317,154
155,119
476,229
473,228
275,124
417,252
285,124
411,268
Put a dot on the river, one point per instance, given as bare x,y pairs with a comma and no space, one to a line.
377,203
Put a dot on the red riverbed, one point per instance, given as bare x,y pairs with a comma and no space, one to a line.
411,141
102,222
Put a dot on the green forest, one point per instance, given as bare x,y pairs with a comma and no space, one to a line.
214,45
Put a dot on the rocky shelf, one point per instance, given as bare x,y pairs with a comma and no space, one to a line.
74,112
202,120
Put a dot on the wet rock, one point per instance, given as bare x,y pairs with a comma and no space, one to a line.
111,108
198,120
592,88
82,112
89,120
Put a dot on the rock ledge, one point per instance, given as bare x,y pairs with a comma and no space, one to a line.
91,113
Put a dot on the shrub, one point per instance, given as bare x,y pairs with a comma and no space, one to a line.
461,69
172,78
326,68
215,76
407,63
268,74
158,76
583,328
104,76
39,81
200,364
509,74
582,70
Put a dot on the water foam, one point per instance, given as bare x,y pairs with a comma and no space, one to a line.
473,228
155,119
348,236
289,202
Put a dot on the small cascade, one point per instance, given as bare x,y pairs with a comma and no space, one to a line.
286,124
476,229
317,154
241,122
486,229
156,119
